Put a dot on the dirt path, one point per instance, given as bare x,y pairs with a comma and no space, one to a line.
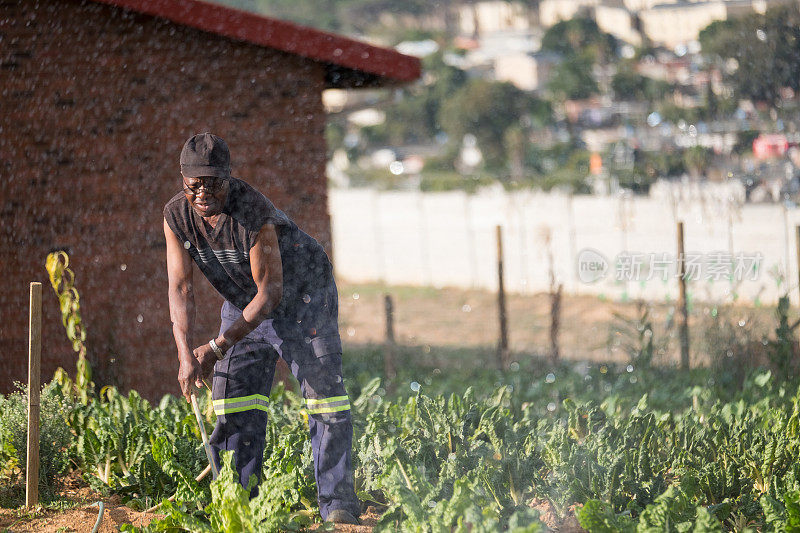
81,515
591,328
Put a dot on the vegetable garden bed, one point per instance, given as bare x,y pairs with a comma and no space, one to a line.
608,447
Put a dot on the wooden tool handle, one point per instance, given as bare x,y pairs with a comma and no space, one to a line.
203,434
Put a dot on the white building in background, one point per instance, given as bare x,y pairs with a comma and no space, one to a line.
493,16
618,21
528,71
553,11
664,22
675,24
634,6
495,46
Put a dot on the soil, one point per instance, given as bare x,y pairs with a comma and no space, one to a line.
369,520
590,328
80,517
558,524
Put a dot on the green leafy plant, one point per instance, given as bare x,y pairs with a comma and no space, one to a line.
54,441
783,349
62,278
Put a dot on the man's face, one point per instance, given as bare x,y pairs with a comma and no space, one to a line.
206,194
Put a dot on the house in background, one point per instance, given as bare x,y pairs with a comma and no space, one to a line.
529,72
97,100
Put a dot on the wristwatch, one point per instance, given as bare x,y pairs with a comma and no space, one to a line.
216,349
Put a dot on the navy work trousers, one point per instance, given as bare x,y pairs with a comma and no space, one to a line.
241,387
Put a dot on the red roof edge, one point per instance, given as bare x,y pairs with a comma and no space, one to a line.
281,35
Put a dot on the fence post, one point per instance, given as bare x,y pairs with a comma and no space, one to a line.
684,322
502,347
34,369
555,319
389,368
797,248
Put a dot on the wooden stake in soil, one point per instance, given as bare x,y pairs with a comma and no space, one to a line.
389,367
684,323
502,347
34,372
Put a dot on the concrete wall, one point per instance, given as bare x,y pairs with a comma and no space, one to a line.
96,104
448,239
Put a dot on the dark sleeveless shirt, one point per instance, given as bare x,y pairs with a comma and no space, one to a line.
222,254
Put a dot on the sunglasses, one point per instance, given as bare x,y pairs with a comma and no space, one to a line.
211,186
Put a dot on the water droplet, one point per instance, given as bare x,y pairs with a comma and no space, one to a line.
633,379
123,267
514,366
415,386
140,319
629,369
466,308
550,378
187,245
742,322
551,406
306,298
431,504
603,369
351,332
356,296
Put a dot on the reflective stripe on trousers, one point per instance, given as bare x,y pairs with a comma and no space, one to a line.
241,386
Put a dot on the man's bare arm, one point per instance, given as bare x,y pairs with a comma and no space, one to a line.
265,264
181,308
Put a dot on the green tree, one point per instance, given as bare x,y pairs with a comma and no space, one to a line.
580,37
630,85
487,109
348,16
759,53
697,160
573,80
413,117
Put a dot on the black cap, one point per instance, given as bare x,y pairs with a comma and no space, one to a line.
205,154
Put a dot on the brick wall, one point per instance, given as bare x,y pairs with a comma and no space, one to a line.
95,105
